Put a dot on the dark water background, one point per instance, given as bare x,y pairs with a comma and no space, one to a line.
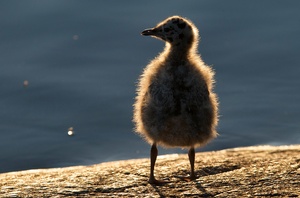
82,60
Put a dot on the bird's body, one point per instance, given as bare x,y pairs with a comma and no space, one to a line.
175,105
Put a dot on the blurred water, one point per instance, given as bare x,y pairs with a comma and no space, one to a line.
82,60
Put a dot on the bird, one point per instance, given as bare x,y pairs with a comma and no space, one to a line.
175,104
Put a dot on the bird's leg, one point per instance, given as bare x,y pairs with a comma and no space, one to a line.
192,162
153,156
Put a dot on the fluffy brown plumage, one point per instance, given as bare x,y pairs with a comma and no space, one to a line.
175,104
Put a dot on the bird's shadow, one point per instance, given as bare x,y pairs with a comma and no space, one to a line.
156,188
210,170
213,170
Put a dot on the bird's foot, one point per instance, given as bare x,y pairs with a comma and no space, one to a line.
156,182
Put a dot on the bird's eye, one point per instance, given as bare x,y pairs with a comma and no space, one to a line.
181,25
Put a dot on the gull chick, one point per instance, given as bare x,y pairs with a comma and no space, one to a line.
175,104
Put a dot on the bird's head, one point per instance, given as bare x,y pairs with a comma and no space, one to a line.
175,30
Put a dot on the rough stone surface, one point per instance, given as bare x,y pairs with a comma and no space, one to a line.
263,171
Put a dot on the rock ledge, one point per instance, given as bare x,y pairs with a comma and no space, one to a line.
263,171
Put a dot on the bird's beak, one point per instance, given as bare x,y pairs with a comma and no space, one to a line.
149,32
